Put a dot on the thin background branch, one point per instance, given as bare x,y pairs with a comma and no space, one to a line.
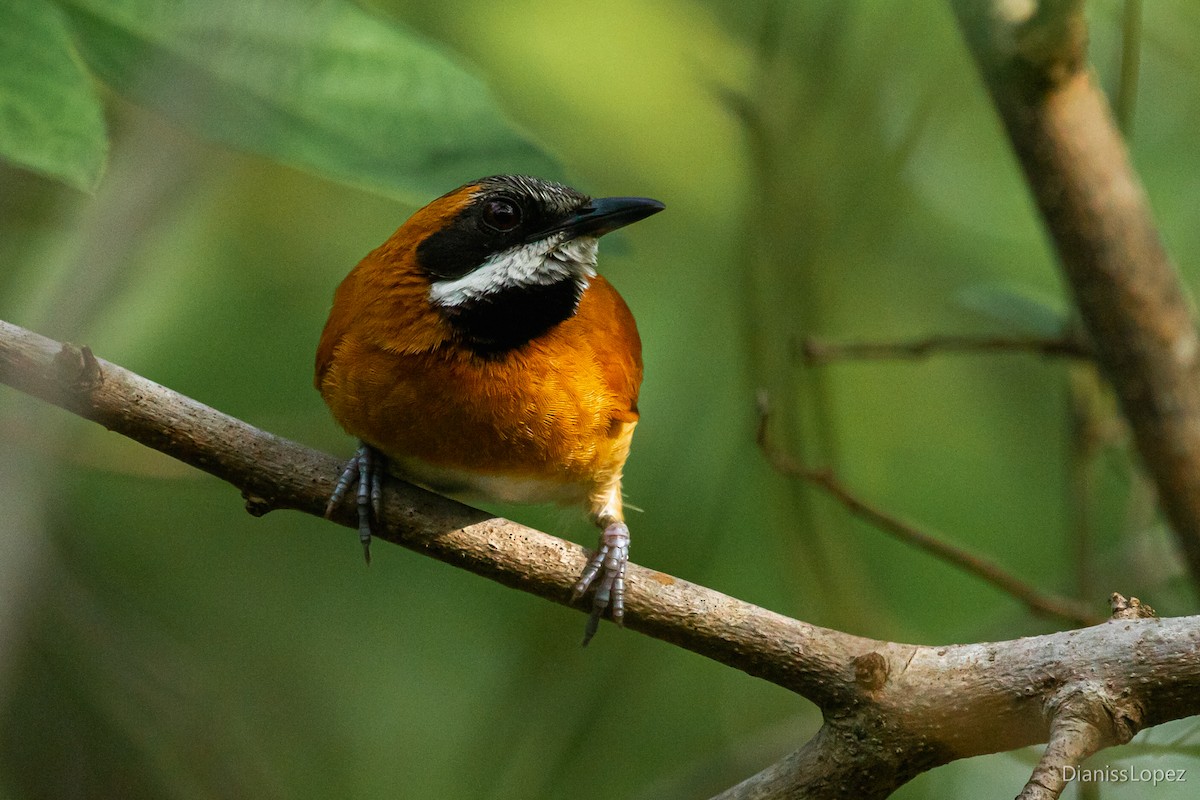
1131,56
971,563
823,351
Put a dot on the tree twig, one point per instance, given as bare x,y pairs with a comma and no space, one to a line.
971,563
823,351
1072,739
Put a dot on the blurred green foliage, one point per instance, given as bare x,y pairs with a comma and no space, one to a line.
50,119
830,169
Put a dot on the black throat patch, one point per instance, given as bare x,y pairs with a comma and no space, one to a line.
505,320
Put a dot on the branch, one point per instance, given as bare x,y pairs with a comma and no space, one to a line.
1131,53
1084,722
931,700
823,351
971,563
1072,739
1127,290
275,473
891,710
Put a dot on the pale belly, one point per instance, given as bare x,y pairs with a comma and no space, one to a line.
504,488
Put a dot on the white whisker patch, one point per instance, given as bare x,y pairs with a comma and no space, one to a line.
541,263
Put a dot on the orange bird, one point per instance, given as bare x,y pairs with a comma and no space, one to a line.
477,352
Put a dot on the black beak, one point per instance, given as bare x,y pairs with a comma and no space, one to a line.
602,216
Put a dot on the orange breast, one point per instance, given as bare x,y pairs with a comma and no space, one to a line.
558,411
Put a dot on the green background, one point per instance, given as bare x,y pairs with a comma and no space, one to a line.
183,185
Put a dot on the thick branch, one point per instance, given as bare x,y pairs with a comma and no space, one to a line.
273,472
891,710
1130,299
932,700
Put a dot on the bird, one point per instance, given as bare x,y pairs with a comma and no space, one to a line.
478,353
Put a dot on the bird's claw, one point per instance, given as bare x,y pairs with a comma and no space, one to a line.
365,468
606,569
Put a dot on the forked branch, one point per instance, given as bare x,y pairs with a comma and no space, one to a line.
892,710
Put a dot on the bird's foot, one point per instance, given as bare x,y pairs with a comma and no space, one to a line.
607,570
366,468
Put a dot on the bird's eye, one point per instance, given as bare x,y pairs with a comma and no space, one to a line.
502,214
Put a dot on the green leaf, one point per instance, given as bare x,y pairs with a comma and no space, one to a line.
321,85
51,120
1018,309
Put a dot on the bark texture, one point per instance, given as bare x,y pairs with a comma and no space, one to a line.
891,710
1032,57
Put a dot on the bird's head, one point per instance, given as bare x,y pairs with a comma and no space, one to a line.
508,257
